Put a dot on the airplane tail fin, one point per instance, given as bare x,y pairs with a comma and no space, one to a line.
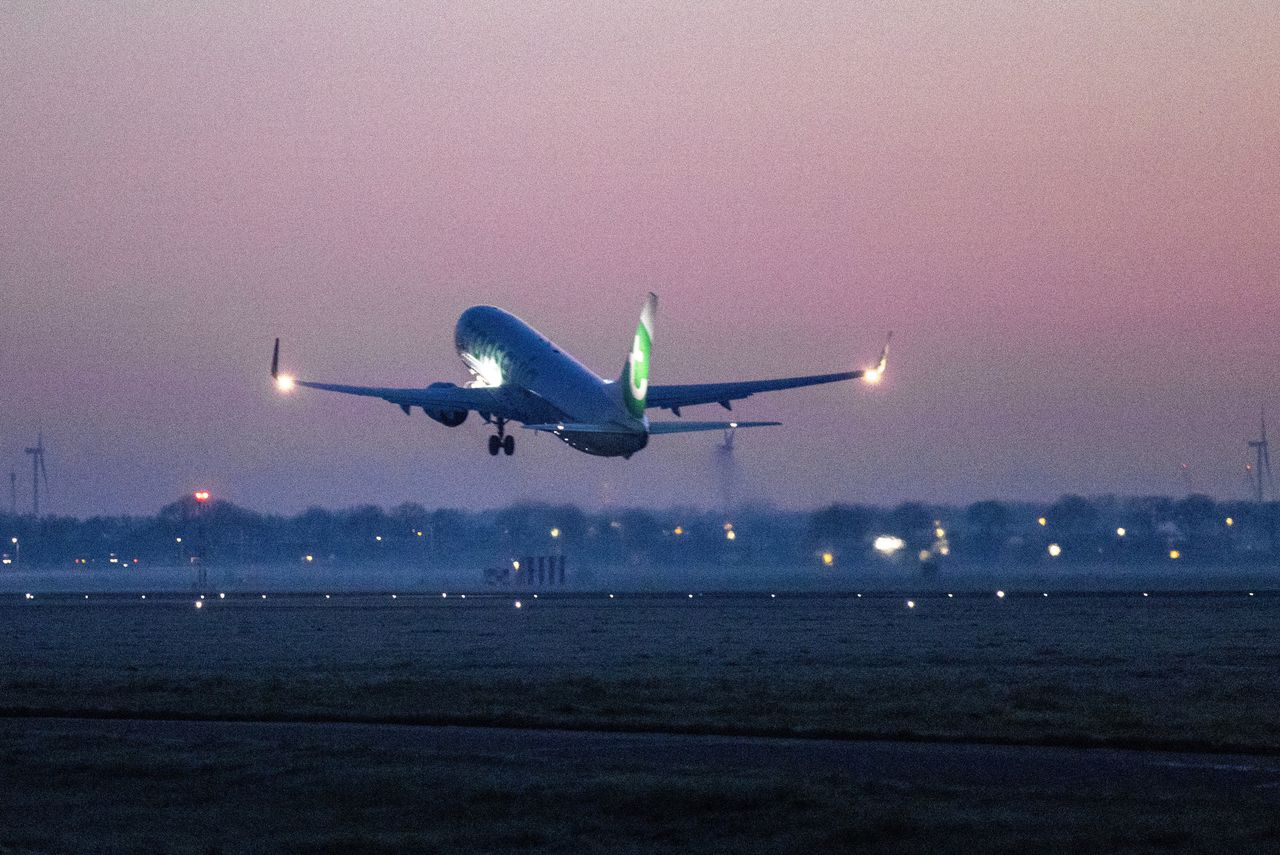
635,374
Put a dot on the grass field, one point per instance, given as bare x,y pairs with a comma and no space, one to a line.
1169,671
1194,671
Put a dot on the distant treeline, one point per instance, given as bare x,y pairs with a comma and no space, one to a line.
1072,530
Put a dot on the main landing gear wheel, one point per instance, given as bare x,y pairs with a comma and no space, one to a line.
509,445
494,444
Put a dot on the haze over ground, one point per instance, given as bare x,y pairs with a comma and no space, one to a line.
1068,215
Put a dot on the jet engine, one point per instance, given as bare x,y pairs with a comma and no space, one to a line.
448,418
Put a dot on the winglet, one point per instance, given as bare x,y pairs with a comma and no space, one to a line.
275,361
873,375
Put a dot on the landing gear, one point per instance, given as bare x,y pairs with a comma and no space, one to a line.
503,441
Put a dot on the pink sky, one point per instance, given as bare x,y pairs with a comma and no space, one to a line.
1068,214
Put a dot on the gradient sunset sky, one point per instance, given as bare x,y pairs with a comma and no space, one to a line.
1068,213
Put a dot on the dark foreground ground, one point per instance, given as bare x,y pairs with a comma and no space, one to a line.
227,786
1176,673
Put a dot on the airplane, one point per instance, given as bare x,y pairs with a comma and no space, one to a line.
519,375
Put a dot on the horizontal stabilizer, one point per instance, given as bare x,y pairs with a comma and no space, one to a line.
574,427
690,427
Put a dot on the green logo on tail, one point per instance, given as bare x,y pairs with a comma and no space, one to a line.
635,386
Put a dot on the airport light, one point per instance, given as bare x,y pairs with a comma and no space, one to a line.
519,605
939,532
1230,522
730,535
199,604
1042,521
555,532
378,538
888,544
1120,532
911,604
678,530
1174,554
828,559
1000,595
1055,550
515,565
924,555
308,558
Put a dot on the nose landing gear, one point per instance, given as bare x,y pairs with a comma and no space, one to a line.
502,441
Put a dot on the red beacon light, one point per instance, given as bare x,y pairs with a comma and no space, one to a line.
202,495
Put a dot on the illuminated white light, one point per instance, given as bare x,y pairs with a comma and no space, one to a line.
1120,532
773,596
308,558
949,596
1042,521
326,596
911,604
1174,554
485,369
519,605
873,375
1145,594
1055,550
443,595
1000,594
535,596
378,538
202,596
1250,594
611,596
859,596
86,596
199,604
264,596
924,555
1230,522
887,544
555,532
222,596
144,596
730,535
691,596
393,596
285,383
733,424
1044,595
32,597
464,596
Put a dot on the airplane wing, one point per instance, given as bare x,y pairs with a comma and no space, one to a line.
438,397
674,397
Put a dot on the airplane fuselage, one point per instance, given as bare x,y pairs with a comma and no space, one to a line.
500,349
